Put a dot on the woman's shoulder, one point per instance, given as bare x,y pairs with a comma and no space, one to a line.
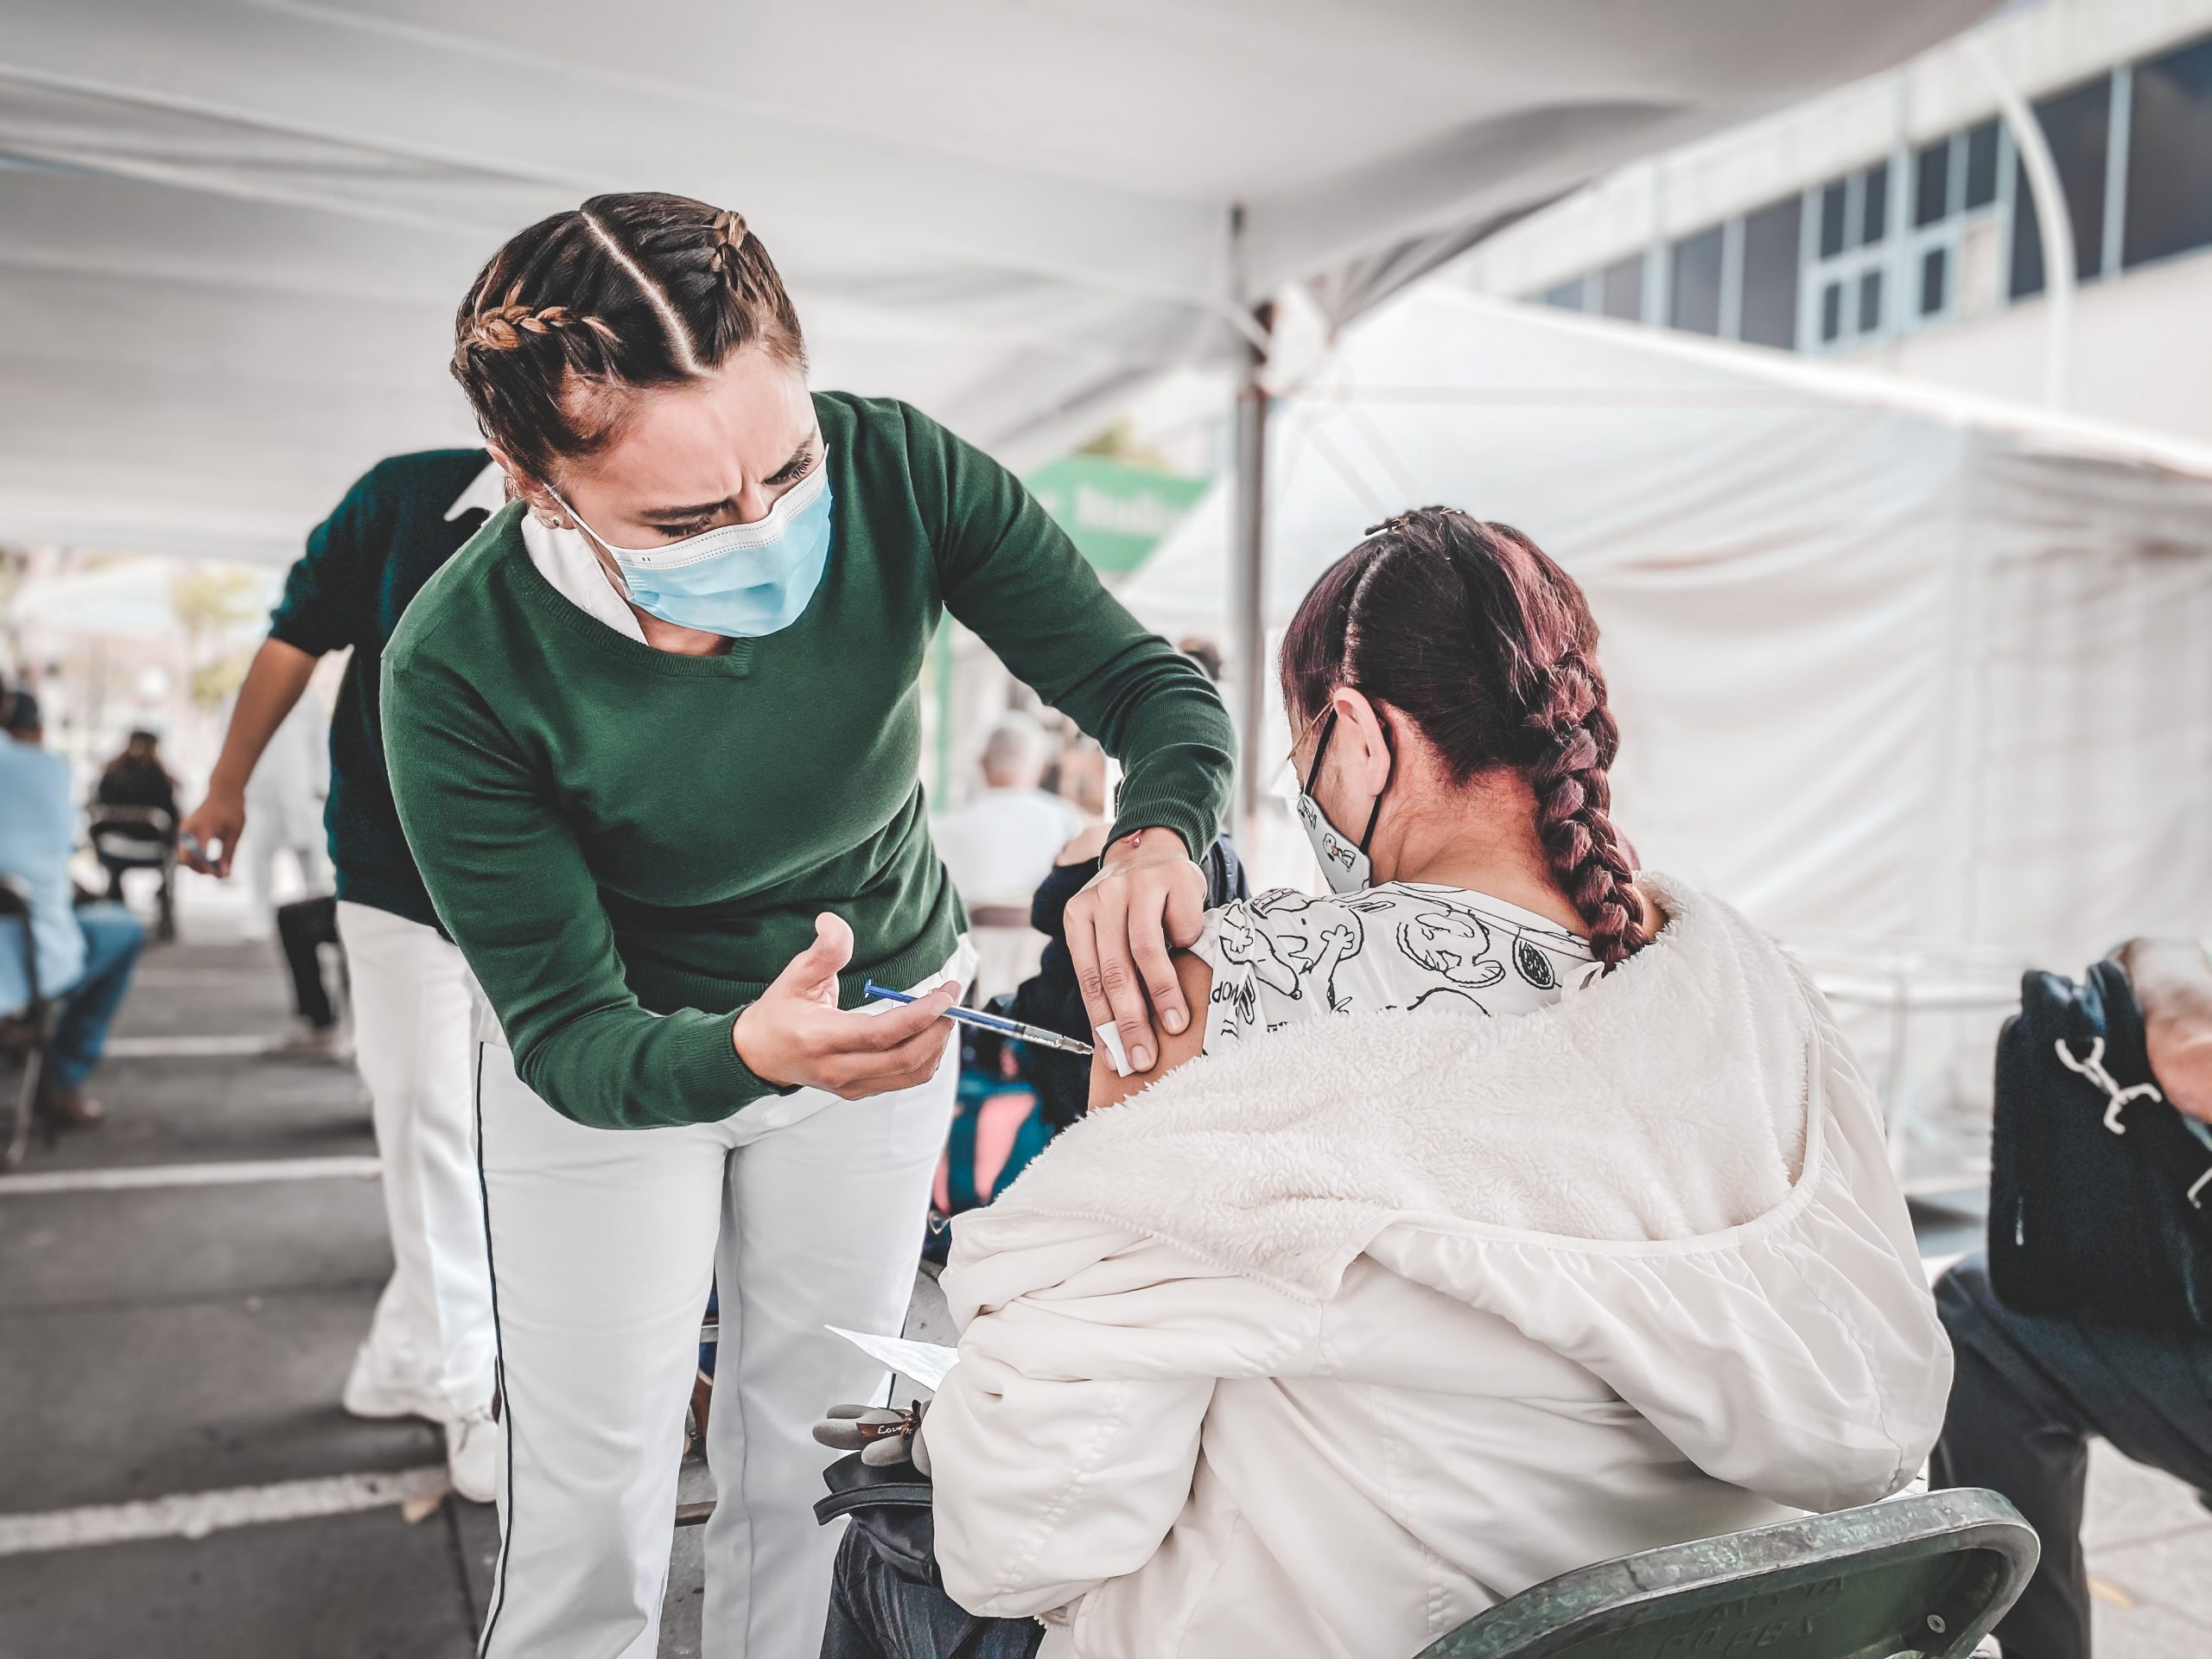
444,620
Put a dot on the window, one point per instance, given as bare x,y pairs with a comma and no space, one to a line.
1769,309
2169,156
1567,295
1695,288
1876,194
2077,125
1832,312
1869,301
1622,287
1981,165
1932,172
1933,267
1832,200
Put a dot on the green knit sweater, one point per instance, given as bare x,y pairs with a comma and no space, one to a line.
628,844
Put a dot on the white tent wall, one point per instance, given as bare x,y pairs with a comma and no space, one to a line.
1895,673
235,231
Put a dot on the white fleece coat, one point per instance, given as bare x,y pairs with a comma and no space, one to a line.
1324,1344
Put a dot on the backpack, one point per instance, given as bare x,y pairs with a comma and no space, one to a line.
2101,1192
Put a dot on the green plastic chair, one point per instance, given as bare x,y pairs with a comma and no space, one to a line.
1916,1578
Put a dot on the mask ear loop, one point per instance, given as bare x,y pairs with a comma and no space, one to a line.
1375,816
1313,771
1320,752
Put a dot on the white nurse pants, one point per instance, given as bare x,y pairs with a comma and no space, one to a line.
431,1340
810,1209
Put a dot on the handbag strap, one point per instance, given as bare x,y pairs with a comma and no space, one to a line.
887,1495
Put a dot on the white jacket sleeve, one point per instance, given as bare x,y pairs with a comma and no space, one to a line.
1062,1443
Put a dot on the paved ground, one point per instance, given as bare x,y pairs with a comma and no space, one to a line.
177,1478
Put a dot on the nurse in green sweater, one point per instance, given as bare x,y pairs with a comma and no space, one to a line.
654,737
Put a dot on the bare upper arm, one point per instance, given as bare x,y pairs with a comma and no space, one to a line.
1197,980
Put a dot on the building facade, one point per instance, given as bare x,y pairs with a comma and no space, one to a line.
1891,223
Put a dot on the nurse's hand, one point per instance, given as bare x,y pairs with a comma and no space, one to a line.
797,1035
1147,899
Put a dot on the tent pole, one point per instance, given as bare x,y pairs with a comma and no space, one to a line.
1248,578
2056,229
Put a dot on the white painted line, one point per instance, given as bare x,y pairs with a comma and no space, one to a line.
243,1173
189,1048
194,1515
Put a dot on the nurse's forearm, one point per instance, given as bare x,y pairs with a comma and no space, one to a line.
1156,713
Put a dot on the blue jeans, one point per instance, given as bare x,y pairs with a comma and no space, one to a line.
876,1613
112,938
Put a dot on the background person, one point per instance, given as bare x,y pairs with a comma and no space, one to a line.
2031,1392
1000,845
303,927
135,777
85,953
1524,1216
429,1349
284,801
655,740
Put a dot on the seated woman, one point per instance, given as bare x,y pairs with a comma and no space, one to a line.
1574,1236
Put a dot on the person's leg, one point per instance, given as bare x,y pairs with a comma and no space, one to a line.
876,1613
602,1246
257,852
822,1226
429,1348
2026,1394
314,859
301,927
112,939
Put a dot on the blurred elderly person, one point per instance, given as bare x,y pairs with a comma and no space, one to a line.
999,846
84,956
2033,1390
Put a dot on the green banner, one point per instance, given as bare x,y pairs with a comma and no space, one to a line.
1114,513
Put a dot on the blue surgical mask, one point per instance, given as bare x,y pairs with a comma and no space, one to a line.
740,580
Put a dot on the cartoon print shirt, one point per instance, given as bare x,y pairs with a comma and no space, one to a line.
1286,955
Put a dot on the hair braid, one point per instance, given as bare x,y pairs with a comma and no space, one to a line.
512,325
1576,738
585,309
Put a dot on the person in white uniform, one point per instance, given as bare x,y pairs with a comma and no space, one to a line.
430,1350
1522,1214
655,740
1001,845
283,804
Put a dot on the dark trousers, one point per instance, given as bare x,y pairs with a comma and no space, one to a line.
302,927
876,1613
2027,1395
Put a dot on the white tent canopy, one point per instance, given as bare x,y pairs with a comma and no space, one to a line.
236,230
1889,664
